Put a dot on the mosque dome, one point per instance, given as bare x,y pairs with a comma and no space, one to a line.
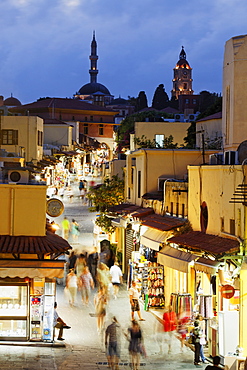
12,102
92,88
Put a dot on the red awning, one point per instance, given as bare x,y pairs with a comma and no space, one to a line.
206,242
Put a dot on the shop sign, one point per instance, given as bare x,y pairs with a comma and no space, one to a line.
227,291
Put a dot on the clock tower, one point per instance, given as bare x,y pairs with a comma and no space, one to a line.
182,81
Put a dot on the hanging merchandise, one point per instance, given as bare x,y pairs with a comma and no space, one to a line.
153,284
206,306
181,303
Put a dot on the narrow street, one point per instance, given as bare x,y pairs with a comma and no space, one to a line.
83,348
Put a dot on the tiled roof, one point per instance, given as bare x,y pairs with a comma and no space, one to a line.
164,223
130,209
217,115
206,242
49,244
60,103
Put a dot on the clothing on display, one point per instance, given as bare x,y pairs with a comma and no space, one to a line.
181,303
206,306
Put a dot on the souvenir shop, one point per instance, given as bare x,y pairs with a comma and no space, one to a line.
149,276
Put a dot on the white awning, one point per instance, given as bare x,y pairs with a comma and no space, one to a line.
32,268
175,259
152,238
206,265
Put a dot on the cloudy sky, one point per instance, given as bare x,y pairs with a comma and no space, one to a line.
45,44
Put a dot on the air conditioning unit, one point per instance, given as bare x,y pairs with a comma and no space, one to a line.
192,117
231,157
217,158
179,117
18,176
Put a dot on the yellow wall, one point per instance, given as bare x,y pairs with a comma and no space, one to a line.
212,129
234,112
60,135
28,128
149,129
153,163
215,185
23,210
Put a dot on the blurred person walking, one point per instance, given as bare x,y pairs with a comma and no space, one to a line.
112,344
170,326
116,278
100,303
85,285
135,338
75,232
65,227
92,264
71,285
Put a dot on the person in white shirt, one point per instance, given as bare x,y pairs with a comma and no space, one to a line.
134,301
116,278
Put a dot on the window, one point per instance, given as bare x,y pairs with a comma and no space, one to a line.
183,210
85,118
177,209
194,101
40,138
185,86
101,129
91,118
73,118
132,176
232,226
139,184
171,208
159,140
101,119
9,137
85,128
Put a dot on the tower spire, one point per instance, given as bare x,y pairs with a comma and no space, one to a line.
182,54
93,58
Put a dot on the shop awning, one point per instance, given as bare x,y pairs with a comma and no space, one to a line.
32,268
163,223
175,259
48,244
152,238
206,265
206,242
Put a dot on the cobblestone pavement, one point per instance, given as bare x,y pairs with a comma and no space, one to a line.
83,347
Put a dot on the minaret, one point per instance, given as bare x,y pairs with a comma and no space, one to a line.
182,81
93,57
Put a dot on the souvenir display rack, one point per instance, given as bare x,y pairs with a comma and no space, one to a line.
153,285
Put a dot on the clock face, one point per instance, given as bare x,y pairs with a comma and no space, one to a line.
54,207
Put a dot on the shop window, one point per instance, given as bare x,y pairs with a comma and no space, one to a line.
232,227
101,129
9,137
204,217
139,184
85,128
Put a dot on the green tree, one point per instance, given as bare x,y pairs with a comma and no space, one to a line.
143,142
160,98
104,196
142,101
190,139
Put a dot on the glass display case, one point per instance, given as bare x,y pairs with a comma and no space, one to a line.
13,312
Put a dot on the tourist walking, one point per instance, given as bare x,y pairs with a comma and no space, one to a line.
202,338
71,285
65,227
100,303
80,263
85,285
116,278
170,326
75,231
112,344
92,264
134,301
135,338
